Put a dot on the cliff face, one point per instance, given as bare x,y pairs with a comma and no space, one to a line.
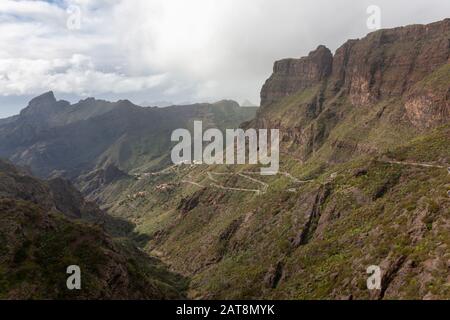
292,75
388,63
371,95
385,64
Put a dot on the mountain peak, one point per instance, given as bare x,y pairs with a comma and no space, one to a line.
46,98
292,75
321,49
226,102
42,106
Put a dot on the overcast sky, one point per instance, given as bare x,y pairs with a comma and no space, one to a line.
173,50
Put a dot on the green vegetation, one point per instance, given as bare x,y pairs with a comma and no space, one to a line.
373,213
38,243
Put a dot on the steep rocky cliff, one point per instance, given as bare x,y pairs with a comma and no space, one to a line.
374,92
291,75
386,63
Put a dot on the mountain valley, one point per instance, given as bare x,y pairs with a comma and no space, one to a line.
364,180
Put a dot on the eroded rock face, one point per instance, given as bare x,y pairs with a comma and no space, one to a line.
428,109
427,104
386,64
291,75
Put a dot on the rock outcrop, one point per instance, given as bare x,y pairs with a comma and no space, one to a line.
393,82
43,111
387,63
383,65
292,75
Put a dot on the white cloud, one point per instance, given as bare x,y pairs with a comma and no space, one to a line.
176,50
76,75
40,10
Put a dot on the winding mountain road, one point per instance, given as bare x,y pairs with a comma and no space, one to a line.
265,186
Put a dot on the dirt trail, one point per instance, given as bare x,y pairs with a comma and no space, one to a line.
246,175
193,183
216,183
416,164
257,191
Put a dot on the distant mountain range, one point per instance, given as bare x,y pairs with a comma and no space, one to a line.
55,138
